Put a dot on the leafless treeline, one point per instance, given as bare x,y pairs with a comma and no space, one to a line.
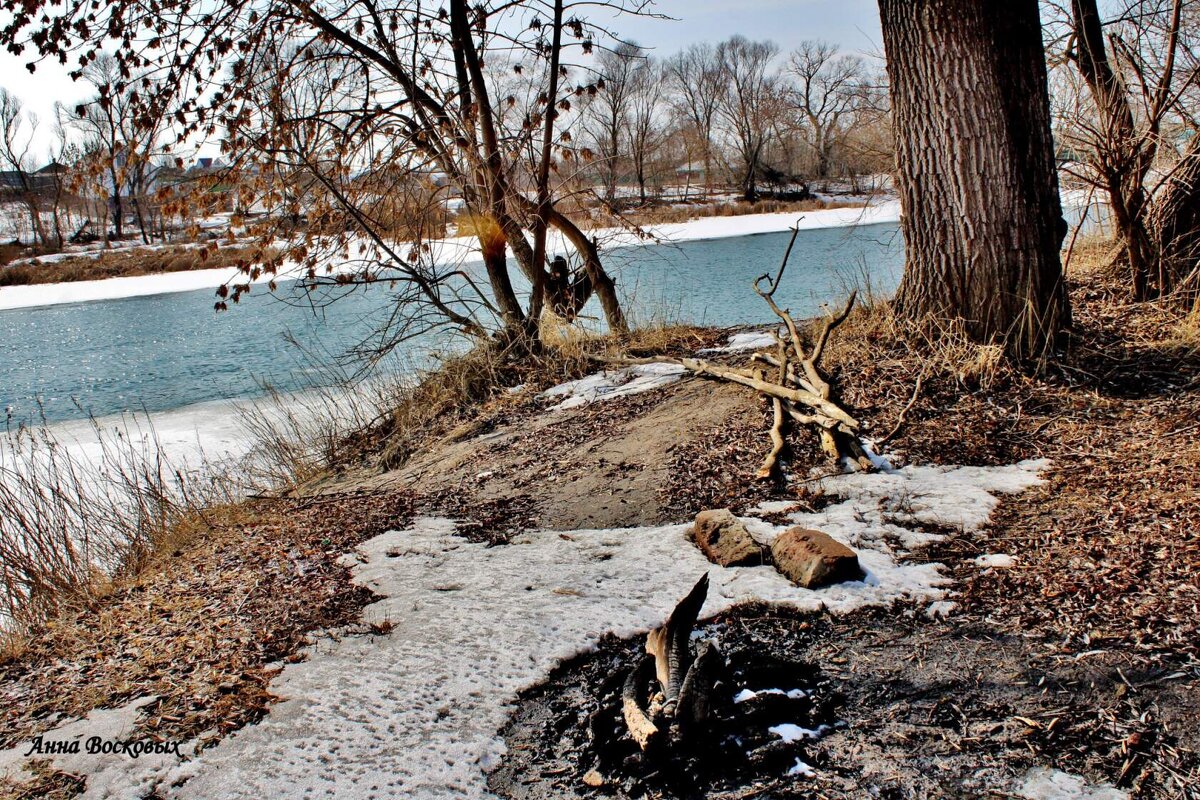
97,171
739,114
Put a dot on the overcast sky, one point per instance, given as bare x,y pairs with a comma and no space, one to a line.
853,24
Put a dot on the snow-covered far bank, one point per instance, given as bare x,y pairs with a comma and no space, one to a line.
879,211
51,294
416,711
454,250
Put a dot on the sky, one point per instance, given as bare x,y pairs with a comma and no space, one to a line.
853,24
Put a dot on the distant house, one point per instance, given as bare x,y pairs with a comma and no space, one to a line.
207,164
44,181
690,171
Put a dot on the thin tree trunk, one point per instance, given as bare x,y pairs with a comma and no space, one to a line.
118,215
1127,159
494,247
601,282
976,173
541,220
35,218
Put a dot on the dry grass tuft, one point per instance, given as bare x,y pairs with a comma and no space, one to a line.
47,783
70,525
873,338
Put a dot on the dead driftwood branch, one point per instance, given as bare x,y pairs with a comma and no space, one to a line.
634,705
825,408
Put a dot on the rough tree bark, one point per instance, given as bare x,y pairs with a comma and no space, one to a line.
1175,221
976,174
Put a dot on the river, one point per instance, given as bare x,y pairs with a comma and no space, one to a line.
167,351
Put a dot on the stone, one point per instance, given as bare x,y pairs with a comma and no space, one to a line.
724,540
594,779
813,559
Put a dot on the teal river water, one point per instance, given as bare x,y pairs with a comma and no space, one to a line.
166,351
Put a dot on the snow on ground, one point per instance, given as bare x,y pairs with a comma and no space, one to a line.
108,774
749,694
1052,784
415,712
790,732
944,496
613,383
453,250
940,608
94,250
747,340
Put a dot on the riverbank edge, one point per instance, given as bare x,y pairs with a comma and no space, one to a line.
456,250
1124,392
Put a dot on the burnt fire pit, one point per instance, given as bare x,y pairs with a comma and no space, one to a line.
683,712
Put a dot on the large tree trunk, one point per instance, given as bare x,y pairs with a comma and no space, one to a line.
1176,225
976,174
494,248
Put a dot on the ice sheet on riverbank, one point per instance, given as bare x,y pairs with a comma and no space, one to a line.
217,433
188,436
454,250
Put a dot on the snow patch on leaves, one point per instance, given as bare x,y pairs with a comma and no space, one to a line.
613,383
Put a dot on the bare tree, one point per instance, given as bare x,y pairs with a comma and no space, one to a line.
17,131
749,105
122,143
697,82
394,94
827,90
645,129
868,145
976,171
1141,77
610,110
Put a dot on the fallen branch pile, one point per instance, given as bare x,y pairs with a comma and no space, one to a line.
797,388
